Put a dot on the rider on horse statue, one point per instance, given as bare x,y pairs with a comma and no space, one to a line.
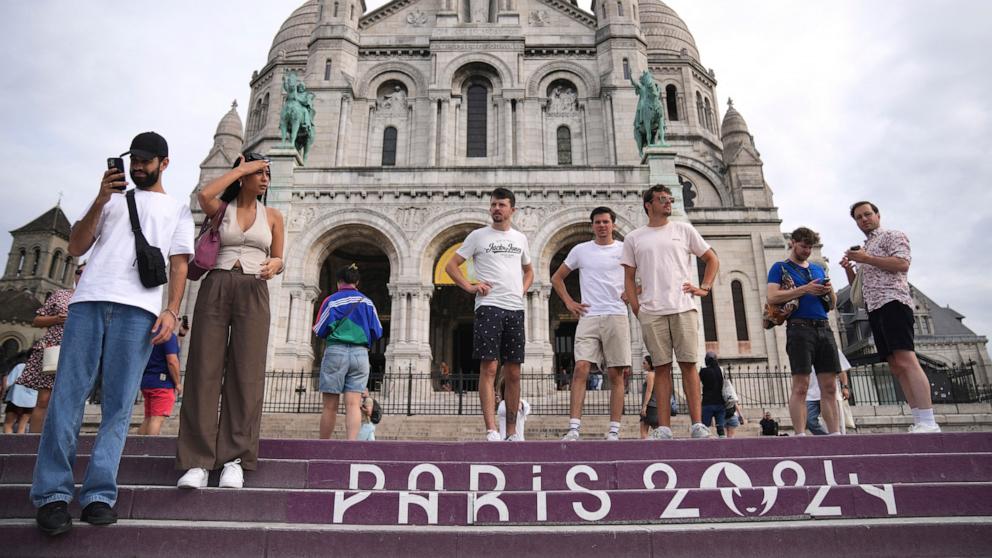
649,120
296,121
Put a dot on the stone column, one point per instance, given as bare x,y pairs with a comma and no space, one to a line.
445,124
342,130
508,118
611,146
432,132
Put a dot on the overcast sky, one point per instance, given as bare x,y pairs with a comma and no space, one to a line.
846,99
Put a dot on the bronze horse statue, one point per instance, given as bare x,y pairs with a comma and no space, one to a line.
296,121
649,119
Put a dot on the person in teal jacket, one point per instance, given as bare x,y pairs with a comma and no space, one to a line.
349,322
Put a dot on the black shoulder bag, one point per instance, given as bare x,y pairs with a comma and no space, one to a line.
151,263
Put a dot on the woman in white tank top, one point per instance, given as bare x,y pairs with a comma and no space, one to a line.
230,331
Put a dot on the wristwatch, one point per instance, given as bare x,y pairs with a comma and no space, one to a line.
707,288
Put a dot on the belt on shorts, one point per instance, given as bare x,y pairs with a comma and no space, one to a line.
809,323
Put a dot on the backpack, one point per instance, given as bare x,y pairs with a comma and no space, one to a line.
376,412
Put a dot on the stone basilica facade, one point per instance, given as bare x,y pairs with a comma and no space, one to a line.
422,107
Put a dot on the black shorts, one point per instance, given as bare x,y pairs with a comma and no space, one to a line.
892,328
498,334
15,408
810,345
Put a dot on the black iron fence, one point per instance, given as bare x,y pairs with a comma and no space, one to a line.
408,392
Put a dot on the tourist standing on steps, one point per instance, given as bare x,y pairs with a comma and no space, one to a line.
714,407
113,319
19,400
51,315
649,406
501,257
160,384
226,362
603,332
810,340
348,321
885,260
660,255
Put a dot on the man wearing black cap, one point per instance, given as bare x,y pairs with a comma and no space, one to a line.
113,319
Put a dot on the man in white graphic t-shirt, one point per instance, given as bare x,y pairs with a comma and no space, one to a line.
502,266
603,332
660,254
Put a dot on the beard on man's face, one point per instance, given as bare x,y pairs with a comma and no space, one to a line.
145,180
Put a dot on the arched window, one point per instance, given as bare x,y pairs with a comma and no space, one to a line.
740,317
706,302
21,259
709,115
672,102
335,13
255,120
634,7
389,147
327,69
603,9
620,9
475,141
699,109
351,15
626,69
66,268
37,261
54,267
564,145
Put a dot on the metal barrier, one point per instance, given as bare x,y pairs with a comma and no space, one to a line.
407,392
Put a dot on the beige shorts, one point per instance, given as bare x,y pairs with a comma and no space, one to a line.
597,337
678,333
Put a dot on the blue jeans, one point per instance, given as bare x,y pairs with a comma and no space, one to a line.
813,419
122,334
718,412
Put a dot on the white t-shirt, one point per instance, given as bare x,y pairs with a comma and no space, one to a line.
111,270
498,258
662,256
600,278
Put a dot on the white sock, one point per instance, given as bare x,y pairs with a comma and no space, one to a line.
916,416
614,427
926,417
574,424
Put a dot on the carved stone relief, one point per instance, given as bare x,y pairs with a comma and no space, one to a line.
539,18
416,18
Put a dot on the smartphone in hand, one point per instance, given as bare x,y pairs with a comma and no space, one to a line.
117,164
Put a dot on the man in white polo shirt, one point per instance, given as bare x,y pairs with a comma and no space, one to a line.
603,332
660,254
501,257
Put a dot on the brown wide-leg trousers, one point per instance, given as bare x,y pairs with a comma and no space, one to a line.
226,363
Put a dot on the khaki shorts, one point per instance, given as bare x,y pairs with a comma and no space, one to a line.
678,333
597,337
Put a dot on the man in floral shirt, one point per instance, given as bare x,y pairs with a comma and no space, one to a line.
885,261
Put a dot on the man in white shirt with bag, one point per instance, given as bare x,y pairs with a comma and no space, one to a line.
114,319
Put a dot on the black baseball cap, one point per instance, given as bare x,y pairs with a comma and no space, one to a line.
148,145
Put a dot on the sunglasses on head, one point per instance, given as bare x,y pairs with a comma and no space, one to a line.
255,157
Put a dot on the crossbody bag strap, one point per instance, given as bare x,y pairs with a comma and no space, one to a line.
132,209
346,316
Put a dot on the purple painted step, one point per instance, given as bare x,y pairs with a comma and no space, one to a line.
820,539
922,468
578,507
585,451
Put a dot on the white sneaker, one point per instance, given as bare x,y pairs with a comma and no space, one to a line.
571,436
699,430
924,429
493,436
661,433
194,478
232,476
513,438
613,436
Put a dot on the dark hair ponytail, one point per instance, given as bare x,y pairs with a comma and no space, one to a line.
349,275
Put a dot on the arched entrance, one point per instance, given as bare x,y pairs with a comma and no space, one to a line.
359,248
452,310
561,323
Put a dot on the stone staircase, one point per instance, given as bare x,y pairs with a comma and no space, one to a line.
867,495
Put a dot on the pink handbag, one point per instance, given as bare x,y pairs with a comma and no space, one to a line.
207,246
